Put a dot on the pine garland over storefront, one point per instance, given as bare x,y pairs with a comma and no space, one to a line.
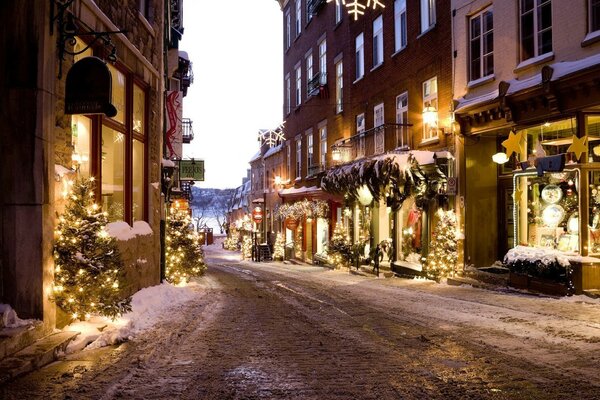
303,209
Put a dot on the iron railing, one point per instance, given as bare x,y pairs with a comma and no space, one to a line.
315,84
188,131
375,141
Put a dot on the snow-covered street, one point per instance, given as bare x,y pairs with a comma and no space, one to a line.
279,331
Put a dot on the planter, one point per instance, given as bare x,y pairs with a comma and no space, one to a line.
546,286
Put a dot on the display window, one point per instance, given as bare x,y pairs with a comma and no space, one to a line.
547,210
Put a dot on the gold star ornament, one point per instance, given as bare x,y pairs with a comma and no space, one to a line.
579,146
514,143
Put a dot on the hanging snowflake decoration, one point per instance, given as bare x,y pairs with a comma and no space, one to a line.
358,7
272,137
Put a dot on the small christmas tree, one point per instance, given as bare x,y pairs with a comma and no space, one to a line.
88,272
443,254
183,253
246,245
279,247
340,248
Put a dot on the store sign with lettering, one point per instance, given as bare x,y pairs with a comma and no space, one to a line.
191,170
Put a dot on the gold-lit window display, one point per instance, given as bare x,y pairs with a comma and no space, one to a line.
549,138
113,179
547,210
138,180
592,130
139,109
81,136
79,47
118,93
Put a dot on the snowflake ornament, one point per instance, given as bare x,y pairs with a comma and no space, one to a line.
272,137
358,7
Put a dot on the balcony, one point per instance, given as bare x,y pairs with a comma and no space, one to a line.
375,141
317,86
314,6
188,132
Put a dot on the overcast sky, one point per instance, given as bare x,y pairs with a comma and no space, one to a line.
236,50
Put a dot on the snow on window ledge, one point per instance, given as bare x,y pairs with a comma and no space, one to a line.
534,61
121,230
481,81
591,38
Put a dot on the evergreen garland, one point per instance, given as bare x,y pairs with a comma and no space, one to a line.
89,274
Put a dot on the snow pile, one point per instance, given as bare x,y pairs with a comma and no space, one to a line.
122,231
149,306
535,254
9,318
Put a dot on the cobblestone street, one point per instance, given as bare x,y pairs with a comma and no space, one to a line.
276,331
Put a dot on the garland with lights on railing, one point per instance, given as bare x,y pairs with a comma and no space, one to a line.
88,270
183,252
303,208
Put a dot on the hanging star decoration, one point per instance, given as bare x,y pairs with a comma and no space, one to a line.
514,143
358,7
272,137
579,146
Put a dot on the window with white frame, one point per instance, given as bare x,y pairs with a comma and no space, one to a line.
288,29
481,45
309,67
323,146
360,128
430,107
378,41
323,61
360,55
594,15
339,87
288,94
298,85
298,157
309,13
402,138
427,14
379,128
400,32
536,28
309,149
298,17
338,11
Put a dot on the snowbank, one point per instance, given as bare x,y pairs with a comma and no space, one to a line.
9,318
122,231
534,254
149,306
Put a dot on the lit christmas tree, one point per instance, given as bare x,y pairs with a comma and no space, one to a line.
88,270
443,254
183,253
246,246
340,247
279,247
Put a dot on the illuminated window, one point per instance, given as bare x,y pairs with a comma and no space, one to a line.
113,173
81,139
118,93
402,138
430,101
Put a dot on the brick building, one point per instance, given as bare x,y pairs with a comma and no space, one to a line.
43,146
358,91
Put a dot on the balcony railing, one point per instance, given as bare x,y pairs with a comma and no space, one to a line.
188,132
315,5
316,84
375,141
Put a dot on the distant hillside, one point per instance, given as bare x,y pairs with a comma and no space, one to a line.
210,205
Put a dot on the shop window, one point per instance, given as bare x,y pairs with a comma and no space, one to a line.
80,47
592,130
118,93
113,178
81,136
411,244
547,210
139,107
322,235
550,138
138,180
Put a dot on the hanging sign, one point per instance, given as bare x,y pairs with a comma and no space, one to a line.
88,88
191,170
257,215
174,131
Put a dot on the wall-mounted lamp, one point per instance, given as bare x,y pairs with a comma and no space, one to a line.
336,154
68,31
500,158
278,180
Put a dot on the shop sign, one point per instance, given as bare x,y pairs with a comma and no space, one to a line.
291,223
89,88
174,128
257,215
191,170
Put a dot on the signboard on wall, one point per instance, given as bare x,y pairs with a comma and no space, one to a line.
191,170
89,88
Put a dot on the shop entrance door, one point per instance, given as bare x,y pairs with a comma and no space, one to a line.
506,223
